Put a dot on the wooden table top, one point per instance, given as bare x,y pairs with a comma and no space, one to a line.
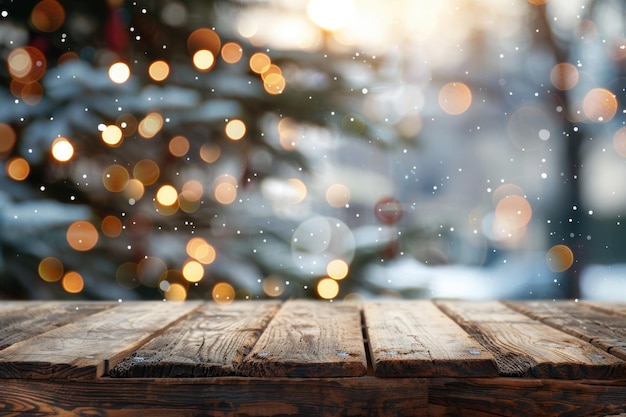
302,357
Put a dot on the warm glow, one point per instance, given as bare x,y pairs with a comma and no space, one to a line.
201,250
619,142
192,190
337,269
559,258
564,76
115,178
204,39
128,123
328,288
175,292
274,84
147,171
193,271
260,62
273,286
82,235
111,226
62,150
235,129
26,64
537,2
223,293
151,270
7,139
119,73
330,14
203,60
134,190
47,16
150,125
600,105
167,195
159,70
297,191
210,153
455,98
338,195
179,146
50,269
112,135
288,133
73,282
231,52
506,190
512,215
225,193
17,168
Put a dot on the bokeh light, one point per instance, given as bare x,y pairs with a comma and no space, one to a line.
7,139
260,62
235,129
274,83
151,270
273,286
167,195
112,135
327,288
119,73
337,195
564,76
47,16
150,125
210,153
223,293
73,282
455,98
388,210
232,52
17,168
204,39
193,271
26,64
175,292
330,15
134,190
203,60
559,258
82,235
512,215
600,105
619,142
128,123
50,269
62,149
159,70
337,269
179,146
199,249
225,189
115,178
111,226
126,275
147,171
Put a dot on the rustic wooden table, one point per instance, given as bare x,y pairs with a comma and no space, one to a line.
254,358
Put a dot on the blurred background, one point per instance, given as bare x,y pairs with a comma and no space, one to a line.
312,148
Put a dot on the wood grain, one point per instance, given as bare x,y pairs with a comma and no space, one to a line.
211,341
86,348
522,346
601,328
310,339
414,338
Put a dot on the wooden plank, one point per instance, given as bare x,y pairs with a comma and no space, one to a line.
87,348
310,339
35,318
522,397
609,307
211,341
223,396
599,327
522,346
415,338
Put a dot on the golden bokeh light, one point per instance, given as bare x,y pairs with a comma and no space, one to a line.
7,139
232,52
274,84
260,62
72,282
159,70
62,149
512,215
175,292
111,226
506,190
210,153
337,269
167,195
559,258
537,2
68,57
147,171
193,190
201,250
223,293
337,195
112,135
273,286
17,168
119,72
564,76
297,191
26,64
50,269
82,235
330,15
235,129
225,193
193,271
47,16
203,60
204,39
179,146
619,142
288,133
134,190
600,105
31,93
150,125
327,288
455,98
128,123
115,178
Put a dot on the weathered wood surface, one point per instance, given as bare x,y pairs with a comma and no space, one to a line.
441,358
86,348
310,339
212,341
415,338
